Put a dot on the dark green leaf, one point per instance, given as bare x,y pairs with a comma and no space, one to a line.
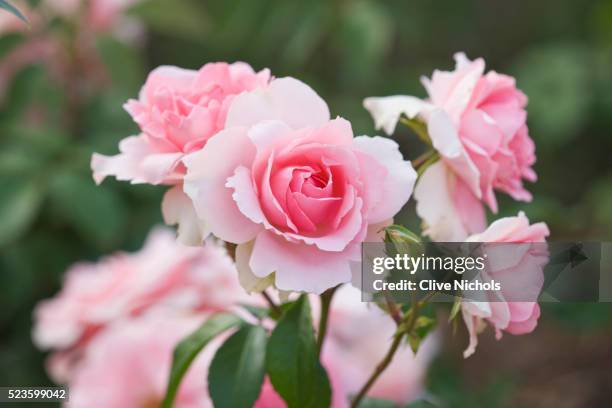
292,362
12,9
19,204
187,350
256,311
376,403
237,371
421,404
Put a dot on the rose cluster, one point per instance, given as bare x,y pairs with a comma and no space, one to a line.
259,163
113,327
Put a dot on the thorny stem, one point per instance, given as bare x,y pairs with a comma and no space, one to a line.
275,309
394,311
405,327
326,298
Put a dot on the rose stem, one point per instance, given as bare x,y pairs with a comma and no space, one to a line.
326,298
277,310
384,363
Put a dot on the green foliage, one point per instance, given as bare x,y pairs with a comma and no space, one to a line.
4,4
96,213
237,371
376,403
182,19
19,203
556,78
422,327
447,383
188,349
292,362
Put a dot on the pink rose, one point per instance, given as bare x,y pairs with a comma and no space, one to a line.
293,188
128,364
359,335
488,114
178,111
163,275
518,268
477,123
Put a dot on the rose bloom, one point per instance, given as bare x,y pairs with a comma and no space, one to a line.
127,365
294,189
518,269
178,111
477,123
164,274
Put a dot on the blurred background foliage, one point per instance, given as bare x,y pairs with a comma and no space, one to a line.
58,108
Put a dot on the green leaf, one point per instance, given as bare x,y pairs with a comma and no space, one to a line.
423,326
421,404
187,350
12,9
455,309
20,201
376,403
256,311
400,240
292,362
399,233
237,371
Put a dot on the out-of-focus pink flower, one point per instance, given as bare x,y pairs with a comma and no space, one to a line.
518,269
178,111
359,335
127,365
477,122
293,188
163,275
99,15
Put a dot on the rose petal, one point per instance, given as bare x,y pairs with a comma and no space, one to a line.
398,182
205,183
387,110
177,208
285,99
299,267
